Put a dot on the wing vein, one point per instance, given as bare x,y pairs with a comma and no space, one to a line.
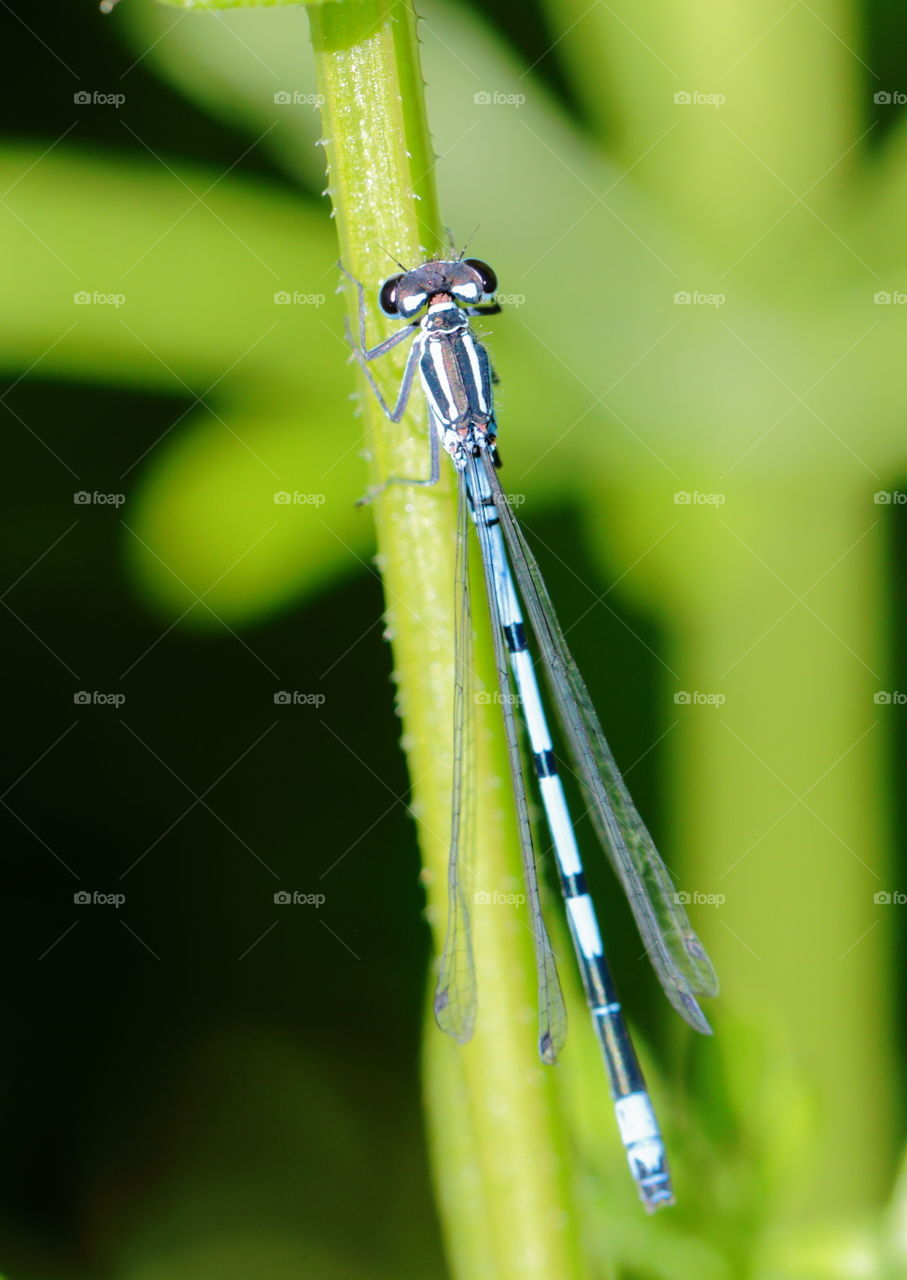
676,954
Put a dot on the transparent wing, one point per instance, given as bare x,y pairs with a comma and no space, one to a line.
552,1013
677,955
455,994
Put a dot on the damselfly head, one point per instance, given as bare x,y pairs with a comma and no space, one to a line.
470,281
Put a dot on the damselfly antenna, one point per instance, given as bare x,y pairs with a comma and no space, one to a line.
469,240
380,246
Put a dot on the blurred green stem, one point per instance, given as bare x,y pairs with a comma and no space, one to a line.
782,615
781,130
504,1184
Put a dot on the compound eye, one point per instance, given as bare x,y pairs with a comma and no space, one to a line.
485,274
387,297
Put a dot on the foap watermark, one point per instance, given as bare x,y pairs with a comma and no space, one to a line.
82,498
286,898
496,899
293,98
94,898
683,498
95,98
495,698
297,698
510,299
695,298
296,298
95,698
97,299
296,499
889,97
695,698
694,898
889,497
494,98
890,298
889,698
893,899
696,98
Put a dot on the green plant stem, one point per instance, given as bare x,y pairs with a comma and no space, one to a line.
796,845
497,1137
756,68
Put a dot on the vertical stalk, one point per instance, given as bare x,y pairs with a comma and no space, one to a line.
497,1137
782,787
723,154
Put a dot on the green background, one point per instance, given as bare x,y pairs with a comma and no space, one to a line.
204,1082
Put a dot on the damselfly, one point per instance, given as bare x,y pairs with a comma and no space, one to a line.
437,300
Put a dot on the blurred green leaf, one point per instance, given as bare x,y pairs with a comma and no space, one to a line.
254,70
214,5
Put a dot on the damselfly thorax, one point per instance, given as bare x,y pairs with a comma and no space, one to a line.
456,376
